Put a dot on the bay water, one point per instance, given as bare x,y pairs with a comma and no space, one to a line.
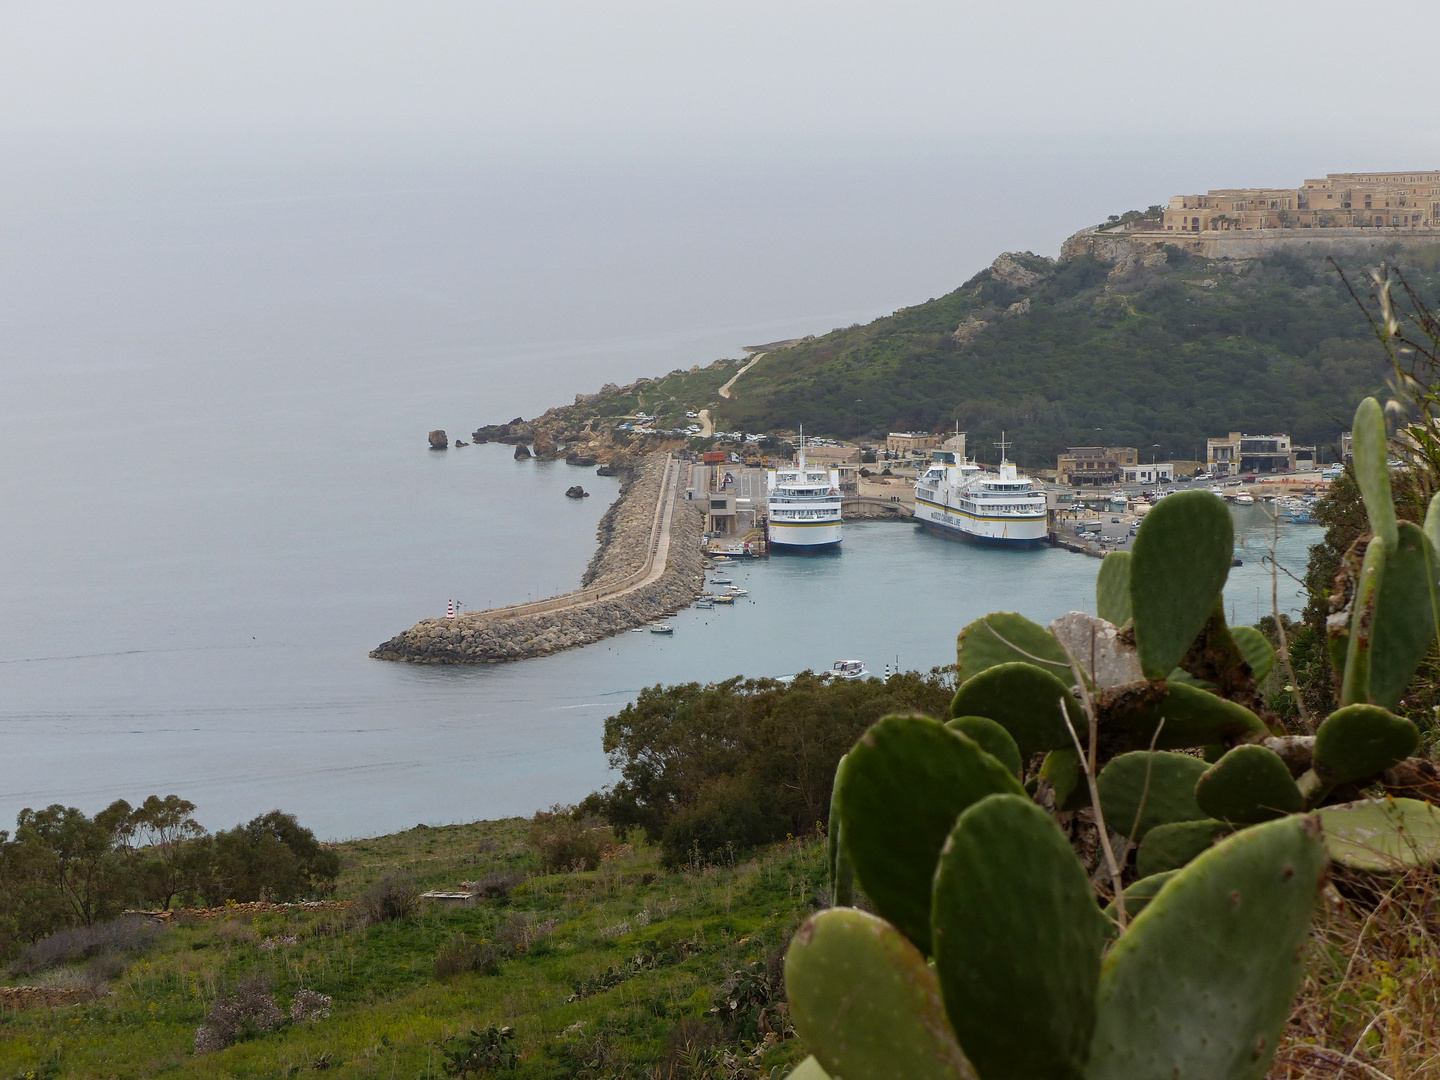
216,377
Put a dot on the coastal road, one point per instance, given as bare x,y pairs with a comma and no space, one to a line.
707,426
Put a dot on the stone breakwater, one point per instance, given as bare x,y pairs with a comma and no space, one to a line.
648,565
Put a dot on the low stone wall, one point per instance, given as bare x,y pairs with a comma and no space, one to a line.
625,532
250,907
1247,243
43,997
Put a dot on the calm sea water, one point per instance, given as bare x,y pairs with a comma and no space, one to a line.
215,496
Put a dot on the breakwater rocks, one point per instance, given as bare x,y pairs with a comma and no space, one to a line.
648,565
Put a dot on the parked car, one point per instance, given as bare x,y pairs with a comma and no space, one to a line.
1116,520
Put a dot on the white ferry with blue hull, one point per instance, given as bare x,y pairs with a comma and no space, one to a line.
956,498
803,507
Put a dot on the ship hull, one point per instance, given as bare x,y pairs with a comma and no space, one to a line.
1004,534
802,538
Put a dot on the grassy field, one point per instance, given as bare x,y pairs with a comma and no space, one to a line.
614,972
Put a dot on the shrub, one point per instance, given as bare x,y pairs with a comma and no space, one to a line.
129,936
459,955
730,811
567,843
496,885
393,897
309,1007
249,1011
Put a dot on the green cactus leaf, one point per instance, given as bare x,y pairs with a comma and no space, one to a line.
809,1069
1062,768
1141,790
1132,713
841,873
980,646
1169,847
1404,621
1257,650
1432,523
1359,741
1382,835
1017,942
1234,922
1372,470
993,739
1112,588
866,1003
1181,559
1137,899
1355,689
1025,701
905,782
1250,784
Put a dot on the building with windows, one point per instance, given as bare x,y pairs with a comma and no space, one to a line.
911,442
1094,464
1391,200
1153,473
1239,453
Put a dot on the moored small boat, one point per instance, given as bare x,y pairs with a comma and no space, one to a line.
723,599
658,629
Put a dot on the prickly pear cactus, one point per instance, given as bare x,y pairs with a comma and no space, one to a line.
1112,588
1137,899
1359,741
904,784
1131,714
1141,790
1248,785
1017,942
1025,701
1382,835
1234,922
1371,454
1257,651
895,1027
1402,627
993,739
1004,637
1181,558
1169,847
840,873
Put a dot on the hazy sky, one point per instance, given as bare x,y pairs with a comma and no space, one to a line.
686,73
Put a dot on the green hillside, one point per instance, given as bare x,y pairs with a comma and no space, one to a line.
1169,350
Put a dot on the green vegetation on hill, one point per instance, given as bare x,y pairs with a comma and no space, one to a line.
1168,353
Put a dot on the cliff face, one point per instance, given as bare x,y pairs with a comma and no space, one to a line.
1342,244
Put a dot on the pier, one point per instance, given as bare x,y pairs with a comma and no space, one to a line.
648,566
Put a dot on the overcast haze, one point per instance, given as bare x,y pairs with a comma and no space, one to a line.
684,73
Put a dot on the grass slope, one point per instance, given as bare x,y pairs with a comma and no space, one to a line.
1169,354
691,928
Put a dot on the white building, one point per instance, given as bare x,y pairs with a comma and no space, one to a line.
1147,474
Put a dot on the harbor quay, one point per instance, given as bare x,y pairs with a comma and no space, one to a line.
648,565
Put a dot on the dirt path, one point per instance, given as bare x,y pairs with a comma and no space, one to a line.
725,390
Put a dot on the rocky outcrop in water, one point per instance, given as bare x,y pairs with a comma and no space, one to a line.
439,440
522,452
576,492
488,637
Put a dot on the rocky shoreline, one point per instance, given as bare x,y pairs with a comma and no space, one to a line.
500,634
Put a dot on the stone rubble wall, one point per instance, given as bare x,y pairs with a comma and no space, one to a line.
480,637
44,997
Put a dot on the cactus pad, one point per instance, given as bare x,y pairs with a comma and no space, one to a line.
1137,899
1248,785
1017,942
1256,649
993,739
1192,717
996,638
1169,847
1361,740
1382,835
1141,790
1234,922
1112,588
866,1003
841,873
1371,455
1025,701
1355,686
1403,625
1062,768
1180,561
905,782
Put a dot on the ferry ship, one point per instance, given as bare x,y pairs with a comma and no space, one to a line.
803,506
957,498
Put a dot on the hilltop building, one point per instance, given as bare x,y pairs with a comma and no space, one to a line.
1094,464
1392,200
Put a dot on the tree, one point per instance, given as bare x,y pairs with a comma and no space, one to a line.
75,856
170,833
